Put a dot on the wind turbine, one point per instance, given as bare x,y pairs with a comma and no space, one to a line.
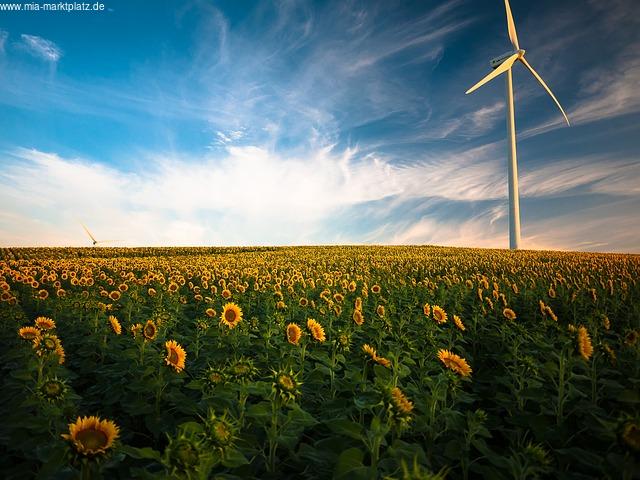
93,240
503,64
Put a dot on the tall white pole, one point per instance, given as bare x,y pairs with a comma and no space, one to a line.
514,199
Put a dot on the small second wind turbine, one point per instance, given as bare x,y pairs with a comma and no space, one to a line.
93,240
503,64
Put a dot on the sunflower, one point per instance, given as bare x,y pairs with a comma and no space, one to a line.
226,294
401,402
115,295
548,311
46,343
317,332
439,315
543,308
454,362
221,431
375,288
151,292
135,329
369,350
231,315
92,436
115,325
303,302
358,303
150,330
426,309
175,355
631,435
509,314
286,385
242,369
584,343
358,318
458,322
61,355
606,323
293,334
380,310
45,323
210,312
173,287
29,333
385,362
52,389
43,294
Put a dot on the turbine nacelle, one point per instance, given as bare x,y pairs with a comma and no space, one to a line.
497,61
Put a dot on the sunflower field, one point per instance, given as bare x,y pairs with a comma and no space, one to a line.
361,362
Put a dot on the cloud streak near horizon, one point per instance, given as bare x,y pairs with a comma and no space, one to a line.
303,122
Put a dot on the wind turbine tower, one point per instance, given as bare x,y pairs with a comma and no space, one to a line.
500,65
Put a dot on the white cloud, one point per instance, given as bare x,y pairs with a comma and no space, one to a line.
252,196
41,47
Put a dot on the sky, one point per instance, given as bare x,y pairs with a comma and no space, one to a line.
293,122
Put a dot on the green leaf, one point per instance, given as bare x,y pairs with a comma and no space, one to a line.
145,453
348,461
346,427
233,458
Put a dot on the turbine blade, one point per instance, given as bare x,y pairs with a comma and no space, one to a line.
88,232
511,26
504,66
544,85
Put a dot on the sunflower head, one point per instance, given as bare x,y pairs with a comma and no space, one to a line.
183,454
426,309
402,406
631,435
175,355
584,343
231,315
91,436
45,323
316,330
52,389
439,315
458,321
150,330
294,333
135,329
213,377
221,431
454,362
509,314
358,318
210,312
242,369
344,341
286,385
46,344
115,325
29,333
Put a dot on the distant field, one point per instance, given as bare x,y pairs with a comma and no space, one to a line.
319,362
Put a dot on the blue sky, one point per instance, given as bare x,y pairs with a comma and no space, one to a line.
299,122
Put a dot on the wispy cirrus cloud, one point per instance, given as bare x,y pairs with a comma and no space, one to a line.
41,47
252,196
